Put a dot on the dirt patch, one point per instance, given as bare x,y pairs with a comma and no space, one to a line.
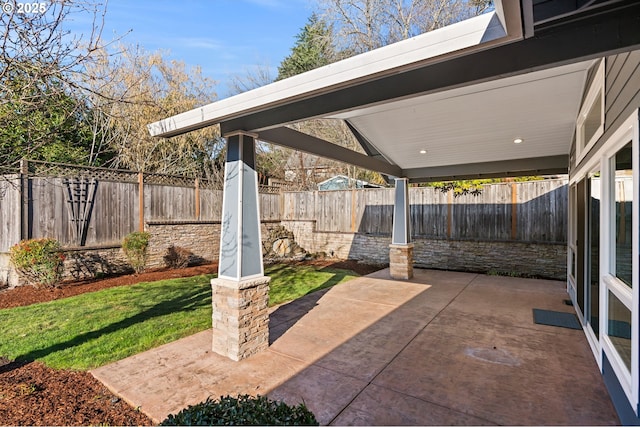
33,394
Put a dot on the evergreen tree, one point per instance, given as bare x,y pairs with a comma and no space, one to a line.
313,49
41,121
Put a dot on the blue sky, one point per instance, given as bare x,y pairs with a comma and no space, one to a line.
224,37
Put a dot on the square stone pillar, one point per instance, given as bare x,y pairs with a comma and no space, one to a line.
240,294
401,261
401,248
240,317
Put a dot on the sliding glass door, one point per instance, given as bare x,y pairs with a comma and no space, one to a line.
587,251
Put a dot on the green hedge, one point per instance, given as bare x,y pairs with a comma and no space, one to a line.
242,410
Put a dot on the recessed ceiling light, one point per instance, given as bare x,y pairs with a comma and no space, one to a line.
517,140
423,151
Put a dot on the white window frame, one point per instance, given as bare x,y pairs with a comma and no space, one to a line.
629,380
572,248
592,338
596,88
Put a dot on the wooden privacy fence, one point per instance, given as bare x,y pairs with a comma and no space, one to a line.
533,211
97,207
82,206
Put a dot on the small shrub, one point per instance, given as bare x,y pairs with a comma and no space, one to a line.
135,249
243,410
39,261
177,257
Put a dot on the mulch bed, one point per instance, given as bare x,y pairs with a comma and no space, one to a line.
33,394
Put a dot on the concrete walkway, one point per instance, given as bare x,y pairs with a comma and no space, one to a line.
444,348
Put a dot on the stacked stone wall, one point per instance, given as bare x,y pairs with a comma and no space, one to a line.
202,239
547,260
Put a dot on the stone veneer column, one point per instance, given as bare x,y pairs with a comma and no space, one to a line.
240,294
401,248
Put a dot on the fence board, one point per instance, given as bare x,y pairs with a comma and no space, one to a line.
377,211
113,216
210,204
48,216
334,210
9,212
542,211
429,209
270,207
166,202
484,217
300,205
115,212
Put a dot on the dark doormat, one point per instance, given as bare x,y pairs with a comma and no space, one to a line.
556,318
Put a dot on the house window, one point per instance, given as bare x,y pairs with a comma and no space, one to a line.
590,123
619,328
573,201
619,246
592,291
622,199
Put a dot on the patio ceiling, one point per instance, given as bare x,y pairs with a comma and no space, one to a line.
462,93
478,123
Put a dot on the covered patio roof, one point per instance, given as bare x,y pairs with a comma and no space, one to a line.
461,94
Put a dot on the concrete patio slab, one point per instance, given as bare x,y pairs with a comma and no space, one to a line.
382,406
442,348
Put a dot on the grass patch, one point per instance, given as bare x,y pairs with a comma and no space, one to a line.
289,283
93,329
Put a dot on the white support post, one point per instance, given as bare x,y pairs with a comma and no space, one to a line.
240,294
401,248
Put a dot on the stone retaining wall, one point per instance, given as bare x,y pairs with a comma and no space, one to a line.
548,260
8,276
94,262
202,238
79,264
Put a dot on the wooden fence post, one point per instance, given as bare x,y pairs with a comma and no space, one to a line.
514,211
141,201
24,200
283,214
353,210
449,212
197,184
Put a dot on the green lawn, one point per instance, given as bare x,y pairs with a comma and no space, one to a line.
93,329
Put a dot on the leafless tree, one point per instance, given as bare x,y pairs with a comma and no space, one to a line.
364,25
134,88
41,62
251,78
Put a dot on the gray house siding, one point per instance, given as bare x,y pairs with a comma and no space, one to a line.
622,87
622,94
